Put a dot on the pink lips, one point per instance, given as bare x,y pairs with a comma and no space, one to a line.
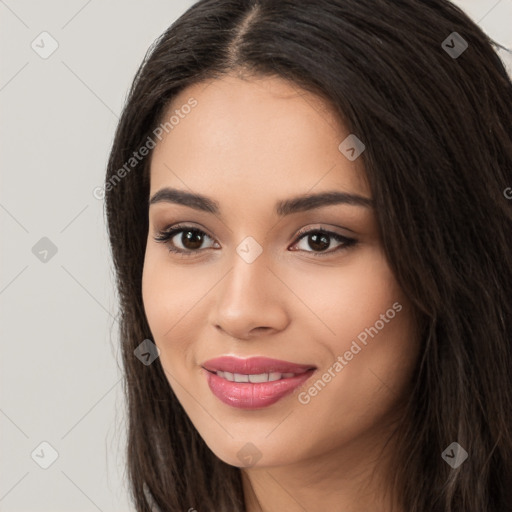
252,395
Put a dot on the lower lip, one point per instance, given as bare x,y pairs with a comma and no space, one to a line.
248,395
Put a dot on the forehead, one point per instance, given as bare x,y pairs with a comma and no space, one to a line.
263,137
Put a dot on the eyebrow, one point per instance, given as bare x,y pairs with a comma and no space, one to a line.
282,208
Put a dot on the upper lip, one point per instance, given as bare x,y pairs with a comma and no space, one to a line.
254,365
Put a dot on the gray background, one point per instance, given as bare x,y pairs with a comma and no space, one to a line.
60,361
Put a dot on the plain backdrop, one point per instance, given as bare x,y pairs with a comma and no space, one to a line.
61,397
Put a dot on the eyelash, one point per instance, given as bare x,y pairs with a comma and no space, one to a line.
166,235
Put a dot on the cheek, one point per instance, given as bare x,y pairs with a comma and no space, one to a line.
348,298
373,325
367,321
361,384
156,294
172,301
161,297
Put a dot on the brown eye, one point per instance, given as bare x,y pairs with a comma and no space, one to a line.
191,239
319,240
183,239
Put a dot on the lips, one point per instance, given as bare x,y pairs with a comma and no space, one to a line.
255,382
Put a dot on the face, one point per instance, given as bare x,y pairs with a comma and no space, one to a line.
260,273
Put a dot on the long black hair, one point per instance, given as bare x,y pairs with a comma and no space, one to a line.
423,87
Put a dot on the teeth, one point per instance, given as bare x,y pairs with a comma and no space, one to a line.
262,377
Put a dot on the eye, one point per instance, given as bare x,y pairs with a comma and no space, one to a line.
190,240
319,239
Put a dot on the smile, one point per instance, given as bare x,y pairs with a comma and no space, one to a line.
253,383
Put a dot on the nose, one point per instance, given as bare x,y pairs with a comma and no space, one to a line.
250,301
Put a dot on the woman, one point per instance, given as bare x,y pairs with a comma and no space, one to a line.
311,239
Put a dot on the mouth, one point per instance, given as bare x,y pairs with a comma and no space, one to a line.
254,383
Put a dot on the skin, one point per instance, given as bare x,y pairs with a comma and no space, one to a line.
247,144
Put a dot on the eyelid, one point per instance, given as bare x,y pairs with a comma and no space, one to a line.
323,228
182,226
